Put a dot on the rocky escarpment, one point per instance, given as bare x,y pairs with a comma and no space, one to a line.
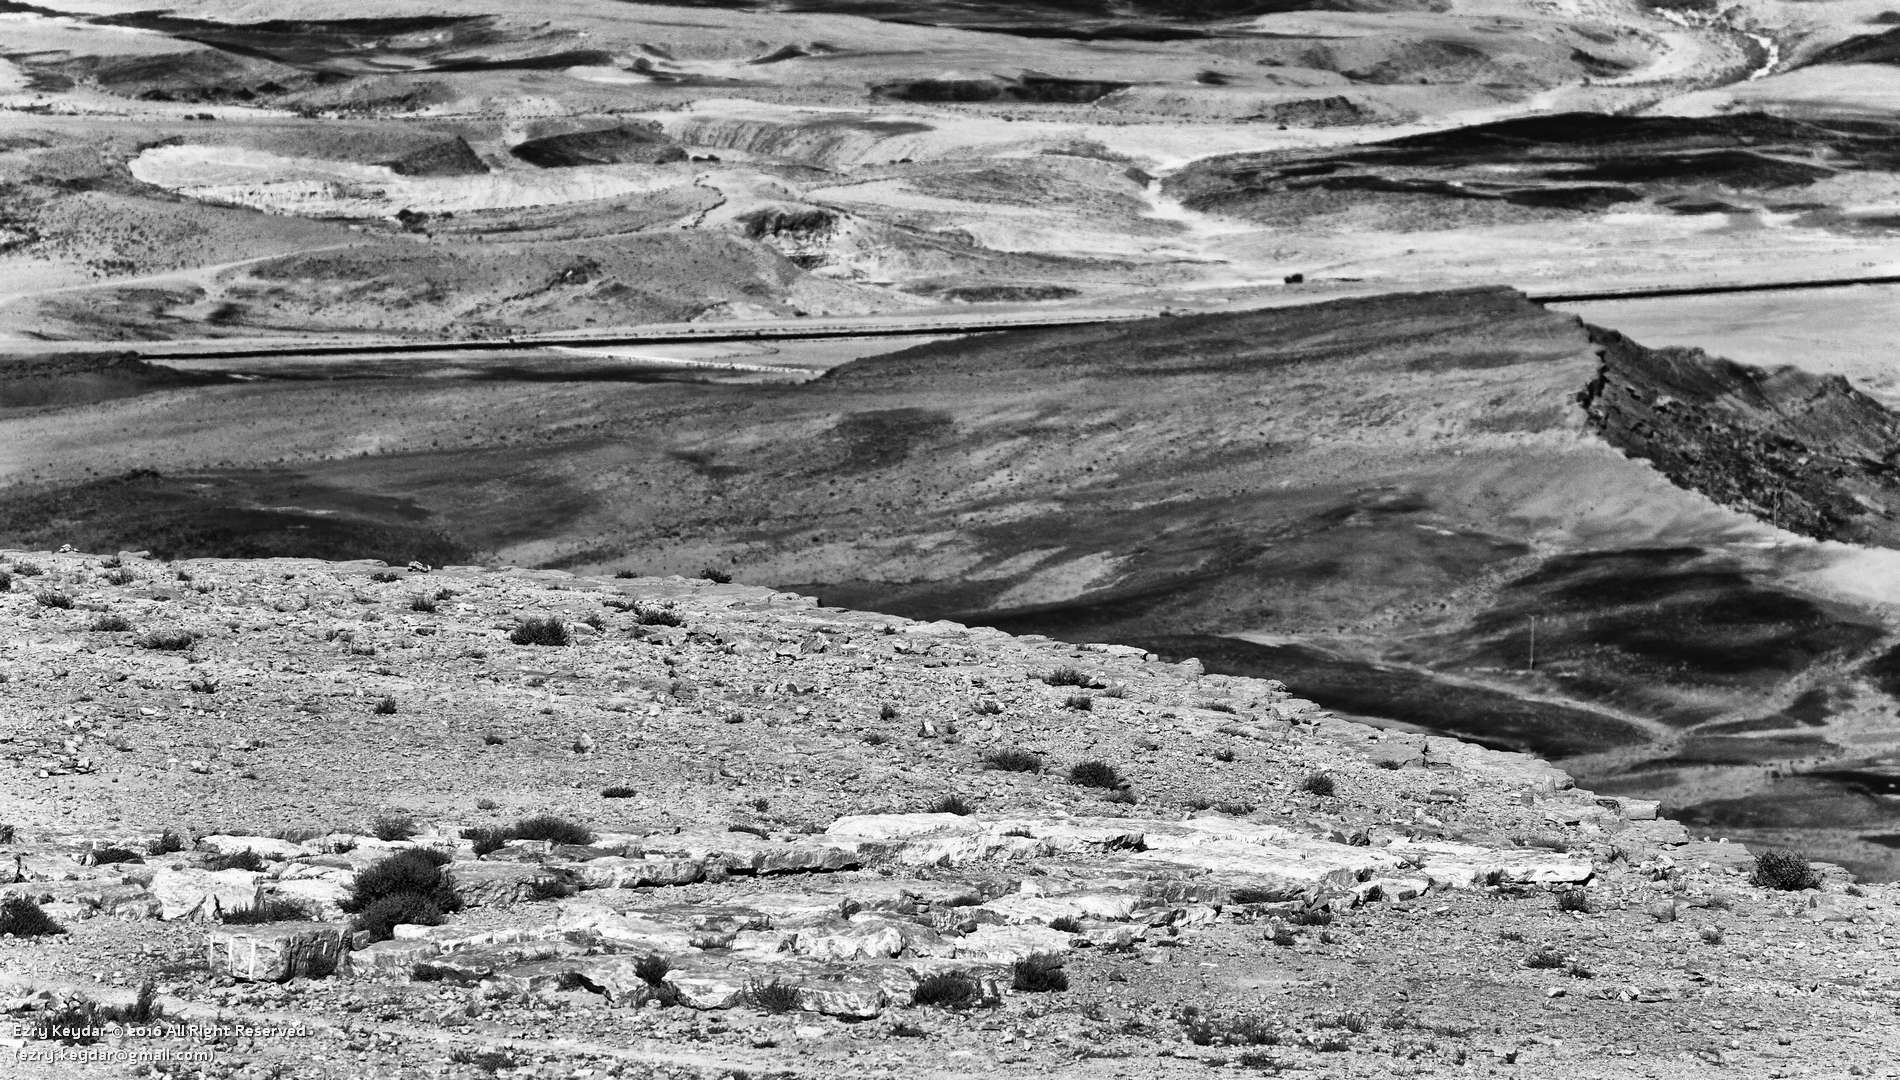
813,842
1806,452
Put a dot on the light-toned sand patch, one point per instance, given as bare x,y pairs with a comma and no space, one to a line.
1869,88
1846,331
1065,582
310,187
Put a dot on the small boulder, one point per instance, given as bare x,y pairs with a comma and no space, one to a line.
131,901
395,957
189,893
489,884
265,847
274,952
322,897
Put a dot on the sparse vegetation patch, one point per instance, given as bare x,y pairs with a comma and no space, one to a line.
1095,774
540,631
1784,870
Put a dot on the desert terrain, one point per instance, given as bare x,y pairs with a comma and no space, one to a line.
793,840
1389,352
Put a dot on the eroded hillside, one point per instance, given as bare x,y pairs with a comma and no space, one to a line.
1401,504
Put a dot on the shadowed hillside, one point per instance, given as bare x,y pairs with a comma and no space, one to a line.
1400,505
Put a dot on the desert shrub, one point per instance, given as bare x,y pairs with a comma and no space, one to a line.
23,918
27,569
271,909
1574,900
167,640
1242,1029
772,997
1546,959
1014,760
1356,1022
486,838
1234,809
415,872
1039,973
951,804
1097,774
1246,895
380,917
626,574
237,860
887,711
108,855
6,581
875,738
110,624
1283,936
407,887
167,843
80,1019
1785,870
1711,935
1319,784
492,739
539,631
1067,924
384,577
1224,754
385,706
1066,676
549,827
716,575
1313,916
119,575
618,791
422,603
488,1061
652,968
144,1008
1079,702
657,616
393,827
947,990
50,599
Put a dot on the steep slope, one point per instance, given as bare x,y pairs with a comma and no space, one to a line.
1400,504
